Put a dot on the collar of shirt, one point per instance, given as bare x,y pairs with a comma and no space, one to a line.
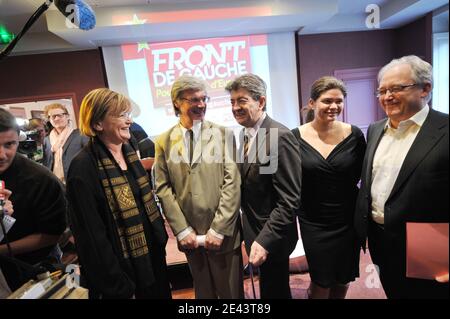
252,131
196,128
418,119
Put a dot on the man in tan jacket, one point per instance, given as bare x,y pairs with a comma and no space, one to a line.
199,188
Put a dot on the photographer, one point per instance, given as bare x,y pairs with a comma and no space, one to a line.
38,201
33,146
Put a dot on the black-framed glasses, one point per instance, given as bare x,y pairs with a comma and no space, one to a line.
55,116
393,89
197,100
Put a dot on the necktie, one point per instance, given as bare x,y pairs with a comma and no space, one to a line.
191,145
246,144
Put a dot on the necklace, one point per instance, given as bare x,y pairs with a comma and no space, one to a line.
117,157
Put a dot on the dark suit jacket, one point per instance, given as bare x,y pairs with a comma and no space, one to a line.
420,193
75,142
269,201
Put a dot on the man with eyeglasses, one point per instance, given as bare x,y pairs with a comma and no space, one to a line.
63,142
198,185
405,176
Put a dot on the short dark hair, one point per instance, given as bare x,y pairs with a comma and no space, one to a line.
8,121
250,82
324,84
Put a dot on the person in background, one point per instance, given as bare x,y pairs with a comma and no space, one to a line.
63,142
201,196
139,134
271,183
141,142
119,232
332,156
35,198
404,176
36,130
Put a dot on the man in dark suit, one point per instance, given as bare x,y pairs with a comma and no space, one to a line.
405,175
271,181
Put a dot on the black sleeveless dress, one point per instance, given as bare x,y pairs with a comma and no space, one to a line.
329,191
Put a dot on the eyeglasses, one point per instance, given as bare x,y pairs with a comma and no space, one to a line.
125,115
197,100
393,89
54,116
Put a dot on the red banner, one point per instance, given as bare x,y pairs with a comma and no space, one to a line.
217,61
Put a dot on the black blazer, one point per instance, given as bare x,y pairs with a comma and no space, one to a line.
269,201
420,193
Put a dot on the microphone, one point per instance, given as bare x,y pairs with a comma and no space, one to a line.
78,11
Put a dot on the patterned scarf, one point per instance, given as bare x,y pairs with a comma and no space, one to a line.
125,211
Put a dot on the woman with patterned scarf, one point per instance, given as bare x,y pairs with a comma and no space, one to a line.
119,232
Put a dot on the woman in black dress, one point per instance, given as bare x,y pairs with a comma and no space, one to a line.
332,156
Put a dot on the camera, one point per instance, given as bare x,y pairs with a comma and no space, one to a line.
29,146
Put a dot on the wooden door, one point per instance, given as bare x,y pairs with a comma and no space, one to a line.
361,106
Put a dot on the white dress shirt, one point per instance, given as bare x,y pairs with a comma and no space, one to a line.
196,129
389,157
251,132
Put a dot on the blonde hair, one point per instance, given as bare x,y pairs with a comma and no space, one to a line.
96,105
54,106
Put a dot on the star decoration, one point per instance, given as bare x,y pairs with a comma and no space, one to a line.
142,46
137,21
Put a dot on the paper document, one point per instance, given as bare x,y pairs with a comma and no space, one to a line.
8,221
426,250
